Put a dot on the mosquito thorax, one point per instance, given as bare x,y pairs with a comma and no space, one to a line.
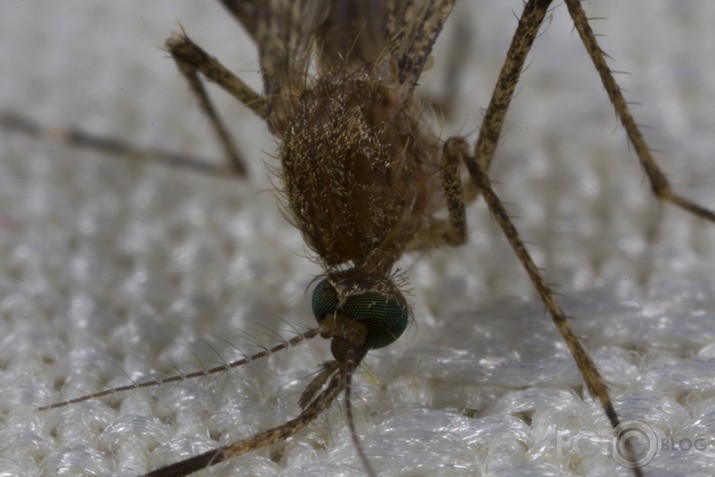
359,317
358,171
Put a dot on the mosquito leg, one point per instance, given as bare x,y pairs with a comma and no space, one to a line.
659,183
15,122
192,60
452,231
595,383
531,19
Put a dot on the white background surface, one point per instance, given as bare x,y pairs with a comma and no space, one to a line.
111,271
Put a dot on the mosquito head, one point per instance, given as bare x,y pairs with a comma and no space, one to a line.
359,311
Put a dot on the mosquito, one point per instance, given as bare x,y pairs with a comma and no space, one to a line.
364,174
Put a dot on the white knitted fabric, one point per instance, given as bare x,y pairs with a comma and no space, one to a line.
112,271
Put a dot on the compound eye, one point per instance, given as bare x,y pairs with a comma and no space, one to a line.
384,318
325,300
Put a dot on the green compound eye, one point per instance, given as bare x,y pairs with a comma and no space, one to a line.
385,319
325,300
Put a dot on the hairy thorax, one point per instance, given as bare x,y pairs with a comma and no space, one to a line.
359,172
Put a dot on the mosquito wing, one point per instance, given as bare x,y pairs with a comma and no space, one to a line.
284,31
392,39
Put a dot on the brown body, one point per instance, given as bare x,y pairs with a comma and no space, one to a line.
359,173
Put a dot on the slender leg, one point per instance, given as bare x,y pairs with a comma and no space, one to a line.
595,383
192,60
118,148
453,232
493,122
658,182
529,24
